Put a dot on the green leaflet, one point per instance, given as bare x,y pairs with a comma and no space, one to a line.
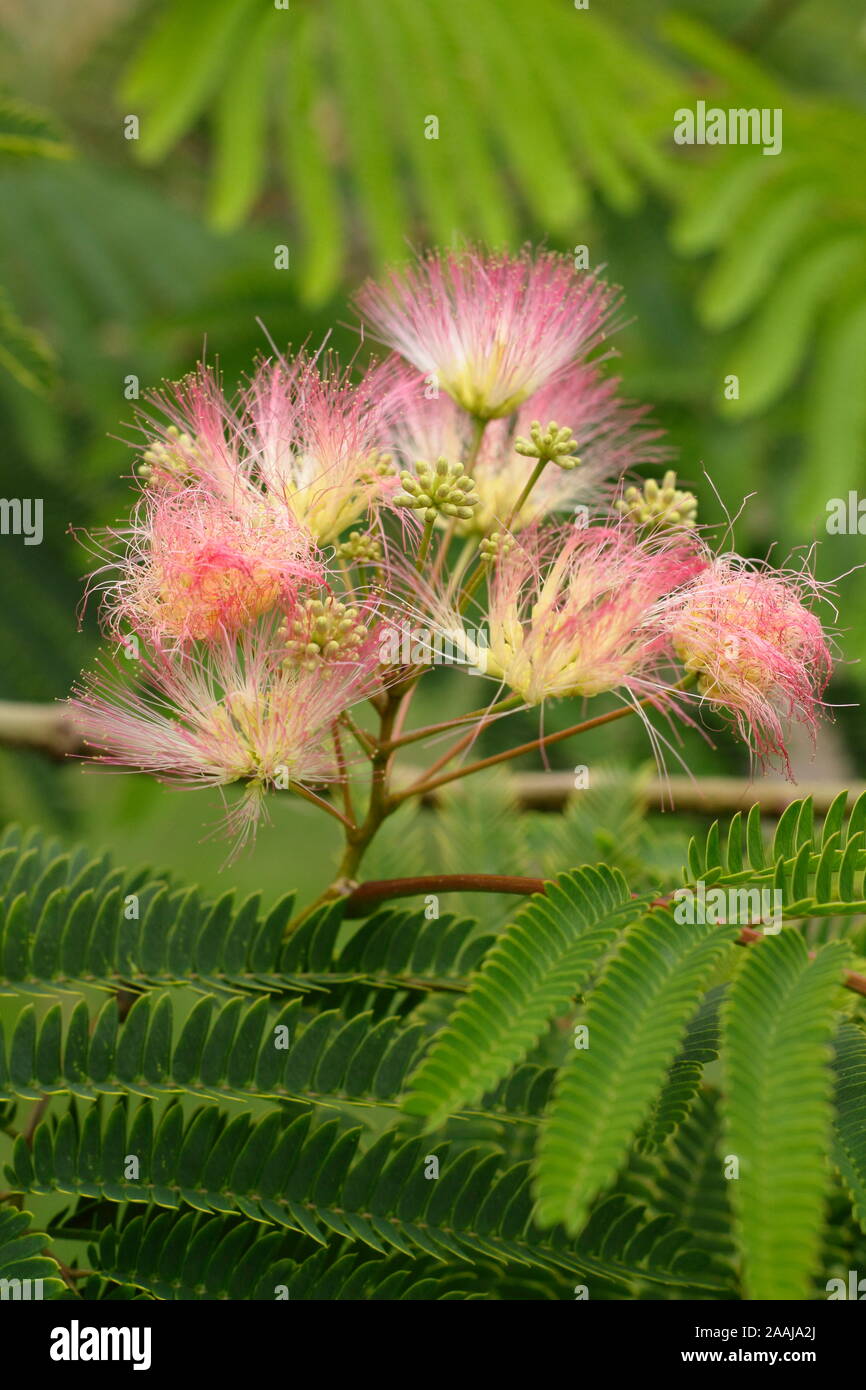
312,1181
315,1147
849,1148
21,1259
778,1024
700,1046
691,1182
635,1018
224,1259
837,410
24,353
539,963
236,1052
815,873
508,118
70,920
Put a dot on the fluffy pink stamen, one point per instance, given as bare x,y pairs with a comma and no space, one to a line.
757,649
489,329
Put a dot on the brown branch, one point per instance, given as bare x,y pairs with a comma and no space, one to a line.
361,900
368,895
427,784
50,729
708,796
46,728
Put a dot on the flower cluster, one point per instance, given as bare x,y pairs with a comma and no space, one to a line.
482,484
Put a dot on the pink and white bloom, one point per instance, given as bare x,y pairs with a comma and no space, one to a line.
234,711
301,437
567,615
757,649
315,443
611,436
489,329
192,567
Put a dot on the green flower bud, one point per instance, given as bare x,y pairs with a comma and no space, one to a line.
360,546
323,630
554,444
663,505
441,489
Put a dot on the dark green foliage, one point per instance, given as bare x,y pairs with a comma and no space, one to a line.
606,1096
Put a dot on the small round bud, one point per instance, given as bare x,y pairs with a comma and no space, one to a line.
442,489
660,506
554,444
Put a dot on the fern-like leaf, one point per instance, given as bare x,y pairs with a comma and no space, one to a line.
539,964
636,1018
777,1029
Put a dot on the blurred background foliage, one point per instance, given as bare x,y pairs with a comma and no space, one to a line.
259,126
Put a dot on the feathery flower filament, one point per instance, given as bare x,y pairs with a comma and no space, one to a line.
230,711
192,567
609,434
756,648
570,622
490,329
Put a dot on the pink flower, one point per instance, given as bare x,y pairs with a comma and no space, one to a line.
490,330
758,650
193,567
611,436
567,613
315,442
300,436
236,711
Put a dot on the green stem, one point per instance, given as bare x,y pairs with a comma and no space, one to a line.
481,569
530,484
425,543
478,428
379,806
319,801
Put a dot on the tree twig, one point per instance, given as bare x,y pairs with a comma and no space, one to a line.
46,728
361,901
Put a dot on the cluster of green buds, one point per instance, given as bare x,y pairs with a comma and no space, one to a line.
323,630
170,456
443,489
360,547
498,543
553,444
660,505
380,465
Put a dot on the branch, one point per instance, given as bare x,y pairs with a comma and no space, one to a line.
423,786
361,901
46,728
368,895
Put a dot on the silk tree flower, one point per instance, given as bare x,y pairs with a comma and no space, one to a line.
234,711
490,329
567,613
758,650
612,435
193,567
315,442
301,436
